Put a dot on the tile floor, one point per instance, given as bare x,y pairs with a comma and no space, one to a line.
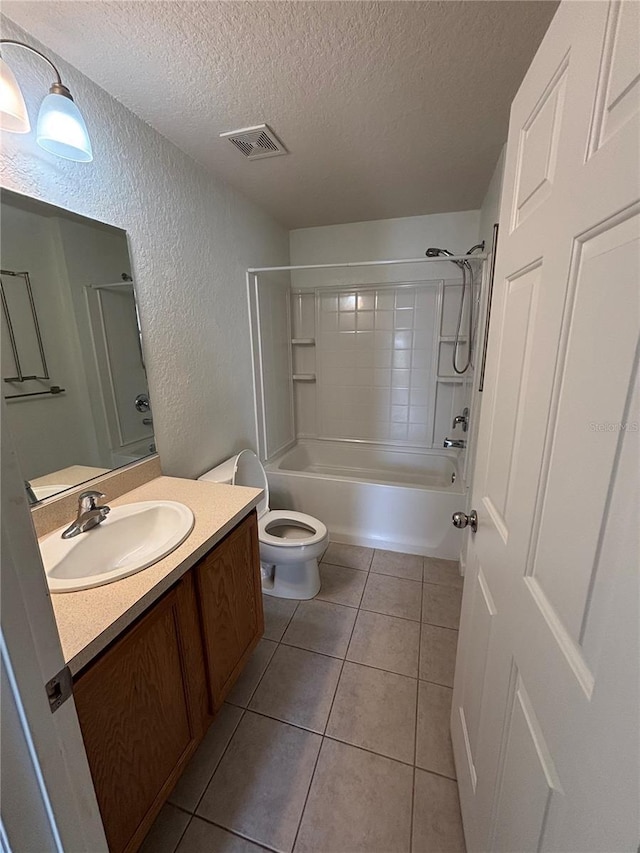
336,737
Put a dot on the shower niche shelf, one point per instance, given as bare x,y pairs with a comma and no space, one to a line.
304,377
303,342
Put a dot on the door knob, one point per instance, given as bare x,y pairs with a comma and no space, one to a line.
461,520
142,403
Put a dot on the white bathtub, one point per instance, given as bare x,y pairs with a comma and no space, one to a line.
381,497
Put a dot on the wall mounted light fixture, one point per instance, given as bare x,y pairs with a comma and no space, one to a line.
61,129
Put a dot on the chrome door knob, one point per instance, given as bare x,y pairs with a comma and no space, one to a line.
462,520
142,403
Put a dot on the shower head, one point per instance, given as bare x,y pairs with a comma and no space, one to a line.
434,252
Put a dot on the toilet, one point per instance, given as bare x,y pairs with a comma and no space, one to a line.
290,542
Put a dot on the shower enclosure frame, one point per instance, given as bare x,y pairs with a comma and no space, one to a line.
252,283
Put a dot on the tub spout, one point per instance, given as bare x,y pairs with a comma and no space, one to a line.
458,443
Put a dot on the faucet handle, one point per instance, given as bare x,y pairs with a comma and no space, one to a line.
87,500
462,419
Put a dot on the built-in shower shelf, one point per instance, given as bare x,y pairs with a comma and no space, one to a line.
303,342
304,377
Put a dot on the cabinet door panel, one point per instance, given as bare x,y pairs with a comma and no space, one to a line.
231,605
140,718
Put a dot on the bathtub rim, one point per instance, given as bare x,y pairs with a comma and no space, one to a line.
459,487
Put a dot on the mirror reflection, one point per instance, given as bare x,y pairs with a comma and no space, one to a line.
73,374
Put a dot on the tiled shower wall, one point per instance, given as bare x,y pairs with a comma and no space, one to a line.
373,362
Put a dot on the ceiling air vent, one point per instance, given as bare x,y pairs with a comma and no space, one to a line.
256,142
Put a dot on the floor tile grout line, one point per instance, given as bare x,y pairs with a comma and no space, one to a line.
306,799
236,834
338,566
436,625
415,730
397,577
348,660
437,683
284,722
445,585
335,693
262,675
184,831
275,651
324,736
370,751
435,773
358,608
219,761
389,575
323,733
394,615
432,583
413,807
344,660
180,808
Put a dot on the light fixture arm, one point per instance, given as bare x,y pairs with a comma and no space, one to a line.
42,56
61,128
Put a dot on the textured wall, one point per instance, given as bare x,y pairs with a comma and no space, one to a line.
191,239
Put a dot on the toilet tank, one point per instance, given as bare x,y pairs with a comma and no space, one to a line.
243,469
223,473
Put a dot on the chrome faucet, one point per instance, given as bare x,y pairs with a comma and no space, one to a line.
458,443
89,514
462,419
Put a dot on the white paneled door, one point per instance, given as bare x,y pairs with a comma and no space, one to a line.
545,716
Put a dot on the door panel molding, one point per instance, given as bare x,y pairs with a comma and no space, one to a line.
538,148
525,749
617,98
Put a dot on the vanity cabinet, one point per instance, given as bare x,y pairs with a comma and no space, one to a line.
146,702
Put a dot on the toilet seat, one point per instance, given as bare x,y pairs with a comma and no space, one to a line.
289,562
294,519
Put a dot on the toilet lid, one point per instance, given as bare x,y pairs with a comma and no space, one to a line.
249,472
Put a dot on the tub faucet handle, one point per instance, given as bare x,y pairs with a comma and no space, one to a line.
462,419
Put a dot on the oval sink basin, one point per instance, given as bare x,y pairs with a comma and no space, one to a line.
131,538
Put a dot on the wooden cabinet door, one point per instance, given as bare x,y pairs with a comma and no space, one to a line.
142,708
230,594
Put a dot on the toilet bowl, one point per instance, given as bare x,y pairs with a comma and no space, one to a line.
290,542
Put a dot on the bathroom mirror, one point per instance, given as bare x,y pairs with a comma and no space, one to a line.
73,373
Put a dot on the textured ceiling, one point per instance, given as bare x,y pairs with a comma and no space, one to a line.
388,109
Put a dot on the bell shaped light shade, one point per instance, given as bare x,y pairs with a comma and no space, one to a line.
61,129
13,110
